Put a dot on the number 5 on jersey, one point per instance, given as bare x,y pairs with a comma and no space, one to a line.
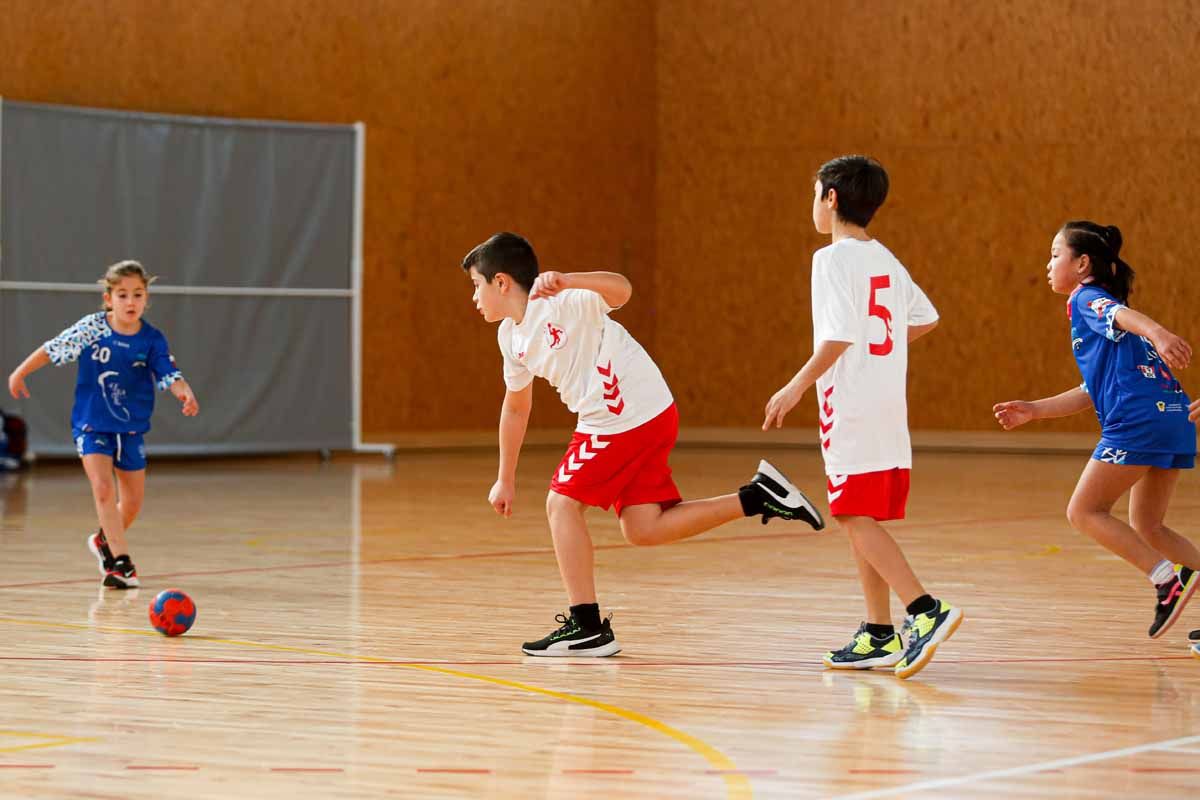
879,310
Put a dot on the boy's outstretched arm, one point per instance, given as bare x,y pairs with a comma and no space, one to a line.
1173,349
16,381
612,286
783,401
514,419
1014,413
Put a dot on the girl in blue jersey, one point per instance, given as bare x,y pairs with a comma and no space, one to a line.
1146,437
122,359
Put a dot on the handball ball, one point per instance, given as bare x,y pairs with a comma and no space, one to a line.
172,612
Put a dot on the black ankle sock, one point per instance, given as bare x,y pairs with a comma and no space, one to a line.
587,615
751,500
880,631
922,605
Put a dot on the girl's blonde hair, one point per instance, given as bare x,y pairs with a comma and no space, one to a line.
124,269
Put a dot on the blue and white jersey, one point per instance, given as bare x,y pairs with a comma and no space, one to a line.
114,391
1140,405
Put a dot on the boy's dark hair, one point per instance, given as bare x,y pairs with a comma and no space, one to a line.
504,252
861,184
1102,245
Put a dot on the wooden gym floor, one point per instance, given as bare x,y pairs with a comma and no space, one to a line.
360,622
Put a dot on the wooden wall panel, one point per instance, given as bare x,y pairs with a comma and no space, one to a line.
482,115
996,121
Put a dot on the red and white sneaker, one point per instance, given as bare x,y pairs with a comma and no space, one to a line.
98,544
122,574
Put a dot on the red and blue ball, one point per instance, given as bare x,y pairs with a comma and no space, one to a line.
172,612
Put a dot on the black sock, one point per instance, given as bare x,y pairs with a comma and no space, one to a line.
880,631
587,615
922,605
751,500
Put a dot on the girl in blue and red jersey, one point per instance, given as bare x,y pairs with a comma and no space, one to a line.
1146,438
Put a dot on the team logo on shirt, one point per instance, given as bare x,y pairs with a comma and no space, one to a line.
1100,304
1161,405
1147,370
114,396
556,336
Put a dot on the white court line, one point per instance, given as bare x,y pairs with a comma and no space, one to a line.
1185,750
1028,769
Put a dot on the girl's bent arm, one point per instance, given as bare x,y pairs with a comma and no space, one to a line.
1014,413
16,381
1173,349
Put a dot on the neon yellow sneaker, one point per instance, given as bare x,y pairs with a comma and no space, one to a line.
865,652
925,632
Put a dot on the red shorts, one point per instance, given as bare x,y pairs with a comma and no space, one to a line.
622,469
878,495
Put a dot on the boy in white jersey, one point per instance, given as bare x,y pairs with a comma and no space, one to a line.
556,326
866,311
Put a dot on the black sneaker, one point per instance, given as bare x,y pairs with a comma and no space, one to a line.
865,651
573,641
98,544
1194,636
1172,597
771,494
122,574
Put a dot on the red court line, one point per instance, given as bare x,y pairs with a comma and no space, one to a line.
882,771
176,767
26,766
540,551
457,771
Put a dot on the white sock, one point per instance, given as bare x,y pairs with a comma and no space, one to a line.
1162,573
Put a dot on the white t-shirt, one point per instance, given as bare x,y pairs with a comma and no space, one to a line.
600,371
863,295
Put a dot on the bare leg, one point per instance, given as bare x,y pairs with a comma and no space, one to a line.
873,543
876,592
132,486
1148,500
572,547
99,469
648,524
1090,511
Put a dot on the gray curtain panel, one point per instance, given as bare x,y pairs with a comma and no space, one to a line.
206,204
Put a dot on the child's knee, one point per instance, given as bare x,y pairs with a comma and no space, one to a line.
103,491
637,535
557,504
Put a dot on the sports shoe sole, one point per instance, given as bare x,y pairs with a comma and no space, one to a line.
113,582
942,634
1183,601
96,552
866,663
1196,651
610,649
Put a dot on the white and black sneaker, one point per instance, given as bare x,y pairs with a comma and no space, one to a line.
98,544
771,494
122,574
574,641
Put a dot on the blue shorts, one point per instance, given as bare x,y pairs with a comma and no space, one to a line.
1135,458
127,450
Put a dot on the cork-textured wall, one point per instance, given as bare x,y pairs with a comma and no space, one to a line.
996,121
530,115
676,141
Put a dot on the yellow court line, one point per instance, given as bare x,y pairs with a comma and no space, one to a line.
737,785
54,740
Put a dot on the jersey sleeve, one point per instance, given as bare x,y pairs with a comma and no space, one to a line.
162,364
920,310
66,347
516,376
832,301
583,305
1097,311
